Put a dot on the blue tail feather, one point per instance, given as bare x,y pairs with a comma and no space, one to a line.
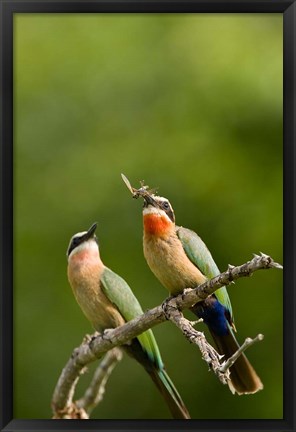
214,315
243,378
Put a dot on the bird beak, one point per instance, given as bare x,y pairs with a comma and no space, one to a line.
149,199
90,233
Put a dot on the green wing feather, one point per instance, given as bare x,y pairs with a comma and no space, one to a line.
120,294
200,256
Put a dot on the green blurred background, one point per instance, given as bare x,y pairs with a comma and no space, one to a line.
193,105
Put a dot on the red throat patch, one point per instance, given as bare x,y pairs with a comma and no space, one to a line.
156,225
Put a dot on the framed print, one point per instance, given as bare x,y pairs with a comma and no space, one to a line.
189,108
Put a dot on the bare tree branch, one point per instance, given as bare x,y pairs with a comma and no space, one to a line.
90,350
209,354
95,392
231,360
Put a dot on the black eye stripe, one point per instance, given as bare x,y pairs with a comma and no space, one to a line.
74,243
165,205
171,215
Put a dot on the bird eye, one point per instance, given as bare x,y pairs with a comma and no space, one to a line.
76,241
166,205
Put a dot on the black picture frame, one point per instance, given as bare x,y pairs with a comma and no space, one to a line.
8,9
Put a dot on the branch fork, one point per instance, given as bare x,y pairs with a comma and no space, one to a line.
108,344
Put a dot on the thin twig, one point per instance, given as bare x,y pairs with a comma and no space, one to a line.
231,360
95,392
208,353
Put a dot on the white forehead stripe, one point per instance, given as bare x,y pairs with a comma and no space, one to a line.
80,234
159,198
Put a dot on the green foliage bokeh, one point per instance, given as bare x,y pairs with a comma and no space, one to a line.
193,105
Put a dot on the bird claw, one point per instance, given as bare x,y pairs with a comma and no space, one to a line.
166,306
105,333
187,290
87,338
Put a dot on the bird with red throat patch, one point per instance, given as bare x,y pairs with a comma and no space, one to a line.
180,259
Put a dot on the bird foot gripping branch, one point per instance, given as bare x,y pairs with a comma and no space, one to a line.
215,361
63,395
207,292
108,302
180,259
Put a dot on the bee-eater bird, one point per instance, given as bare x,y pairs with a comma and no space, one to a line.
180,259
108,302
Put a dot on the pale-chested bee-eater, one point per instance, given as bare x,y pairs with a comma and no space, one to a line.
108,302
180,259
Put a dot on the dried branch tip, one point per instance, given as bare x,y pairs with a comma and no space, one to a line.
268,261
231,360
95,347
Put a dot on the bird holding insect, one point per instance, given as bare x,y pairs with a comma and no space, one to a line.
180,259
